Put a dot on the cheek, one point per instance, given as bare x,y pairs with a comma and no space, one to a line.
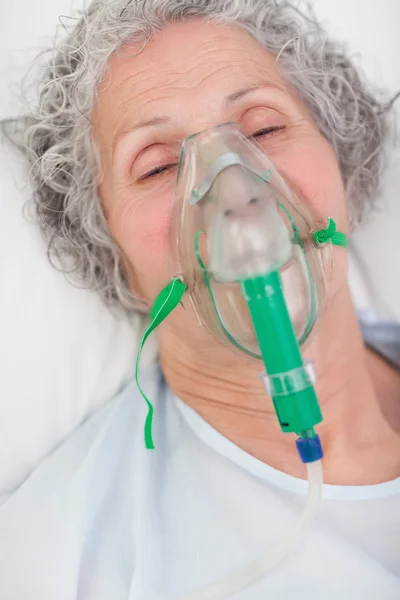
140,227
311,167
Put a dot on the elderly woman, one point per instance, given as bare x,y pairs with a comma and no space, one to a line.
205,143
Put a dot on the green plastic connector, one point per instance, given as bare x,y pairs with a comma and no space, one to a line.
296,404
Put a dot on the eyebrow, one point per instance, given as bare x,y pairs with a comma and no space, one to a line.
244,92
149,123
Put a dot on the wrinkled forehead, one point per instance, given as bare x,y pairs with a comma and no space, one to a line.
181,67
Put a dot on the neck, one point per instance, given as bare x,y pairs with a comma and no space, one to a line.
355,390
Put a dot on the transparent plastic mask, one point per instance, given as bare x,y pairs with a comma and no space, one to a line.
235,218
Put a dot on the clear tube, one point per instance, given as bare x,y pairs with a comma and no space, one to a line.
251,573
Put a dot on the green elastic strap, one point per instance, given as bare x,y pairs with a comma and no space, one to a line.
330,234
165,303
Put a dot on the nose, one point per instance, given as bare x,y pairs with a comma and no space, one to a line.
241,208
238,193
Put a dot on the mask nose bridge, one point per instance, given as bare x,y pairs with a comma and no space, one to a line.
216,172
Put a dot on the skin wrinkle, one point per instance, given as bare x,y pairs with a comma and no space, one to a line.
236,116
177,74
235,97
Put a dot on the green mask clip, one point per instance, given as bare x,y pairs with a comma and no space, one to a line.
167,300
336,237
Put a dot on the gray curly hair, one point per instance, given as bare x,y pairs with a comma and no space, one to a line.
57,137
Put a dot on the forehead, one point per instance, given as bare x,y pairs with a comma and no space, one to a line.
179,67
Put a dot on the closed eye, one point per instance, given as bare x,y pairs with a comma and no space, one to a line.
158,171
268,131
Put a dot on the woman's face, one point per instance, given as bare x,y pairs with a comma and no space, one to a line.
189,77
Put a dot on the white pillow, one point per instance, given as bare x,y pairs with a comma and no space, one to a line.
375,256
371,33
62,352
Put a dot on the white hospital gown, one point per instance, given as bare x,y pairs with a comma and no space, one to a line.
102,518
